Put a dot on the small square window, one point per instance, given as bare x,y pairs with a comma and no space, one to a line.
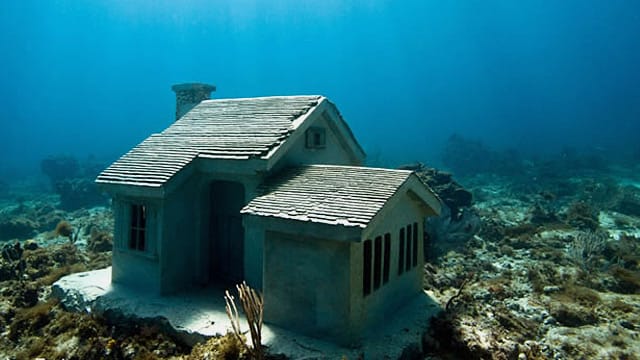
316,138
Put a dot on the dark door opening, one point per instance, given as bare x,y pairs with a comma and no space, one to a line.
226,234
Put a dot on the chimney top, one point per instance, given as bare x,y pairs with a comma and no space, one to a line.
188,95
193,87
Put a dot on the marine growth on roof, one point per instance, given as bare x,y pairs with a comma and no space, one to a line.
335,195
215,129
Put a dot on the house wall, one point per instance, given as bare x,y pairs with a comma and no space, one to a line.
334,153
186,242
253,246
253,240
131,267
253,253
370,310
181,232
307,285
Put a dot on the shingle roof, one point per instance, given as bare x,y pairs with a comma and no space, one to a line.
336,195
221,128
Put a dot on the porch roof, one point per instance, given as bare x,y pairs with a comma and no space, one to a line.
336,195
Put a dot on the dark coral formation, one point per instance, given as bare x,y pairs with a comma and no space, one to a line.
556,274
17,228
39,328
467,157
452,194
59,168
78,193
74,181
26,220
582,215
100,241
628,202
457,223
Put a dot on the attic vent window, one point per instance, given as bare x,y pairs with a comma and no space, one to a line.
137,231
316,138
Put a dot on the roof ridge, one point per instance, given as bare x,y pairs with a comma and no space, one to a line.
317,96
360,167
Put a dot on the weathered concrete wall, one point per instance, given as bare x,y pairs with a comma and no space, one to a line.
257,226
179,255
306,282
186,241
180,236
371,309
132,267
253,253
332,154
252,261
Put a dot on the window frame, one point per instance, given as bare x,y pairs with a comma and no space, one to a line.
316,138
123,213
376,263
137,229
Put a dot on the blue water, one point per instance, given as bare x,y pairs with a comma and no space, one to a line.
93,77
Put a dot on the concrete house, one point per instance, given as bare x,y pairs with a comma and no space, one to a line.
269,190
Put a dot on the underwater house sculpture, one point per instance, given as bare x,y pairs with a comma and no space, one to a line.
269,190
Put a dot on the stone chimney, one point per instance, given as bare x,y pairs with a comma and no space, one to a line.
188,95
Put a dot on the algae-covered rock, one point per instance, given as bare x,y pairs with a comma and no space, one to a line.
572,316
452,194
60,167
78,193
100,241
583,216
629,202
627,281
17,228
220,348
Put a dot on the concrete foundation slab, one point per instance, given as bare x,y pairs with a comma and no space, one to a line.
198,315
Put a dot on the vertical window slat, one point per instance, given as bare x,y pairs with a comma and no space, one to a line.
415,244
407,263
137,227
377,263
401,253
366,270
387,258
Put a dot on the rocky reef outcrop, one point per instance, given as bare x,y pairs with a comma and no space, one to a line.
74,181
458,221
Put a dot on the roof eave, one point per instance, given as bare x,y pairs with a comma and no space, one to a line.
327,231
280,150
132,190
417,191
425,194
339,126
352,143
153,190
